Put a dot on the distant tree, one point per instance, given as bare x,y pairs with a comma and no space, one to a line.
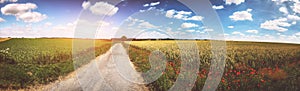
123,38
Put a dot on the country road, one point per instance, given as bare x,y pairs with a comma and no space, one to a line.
101,74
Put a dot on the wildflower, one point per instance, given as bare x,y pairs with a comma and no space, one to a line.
238,73
223,80
252,72
262,80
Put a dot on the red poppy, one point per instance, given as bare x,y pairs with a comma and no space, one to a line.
238,73
252,72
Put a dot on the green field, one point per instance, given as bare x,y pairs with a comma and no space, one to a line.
249,65
27,62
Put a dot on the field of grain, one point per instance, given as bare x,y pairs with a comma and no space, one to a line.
26,62
249,65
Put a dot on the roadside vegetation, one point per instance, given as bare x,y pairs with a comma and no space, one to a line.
28,62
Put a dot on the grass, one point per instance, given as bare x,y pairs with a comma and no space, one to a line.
249,65
28,62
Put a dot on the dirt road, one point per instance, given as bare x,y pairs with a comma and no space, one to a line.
101,74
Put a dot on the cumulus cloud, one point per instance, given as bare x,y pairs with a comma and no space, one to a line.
294,22
296,7
190,31
293,17
151,4
208,30
188,25
32,17
132,22
242,15
238,33
23,12
2,1
195,18
277,24
298,34
283,10
146,25
252,31
182,15
17,9
230,27
86,4
170,13
103,8
218,7
2,20
236,2
154,3
146,5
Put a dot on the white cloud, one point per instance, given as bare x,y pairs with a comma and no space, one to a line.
296,7
133,21
195,18
188,25
252,31
146,5
277,24
283,10
23,12
238,33
2,20
230,27
170,13
294,22
293,17
182,15
179,16
190,31
154,3
218,7
298,34
151,4
237,2
2,1
32,17
208,30
103,8
86,4
17,9
242,15
146,25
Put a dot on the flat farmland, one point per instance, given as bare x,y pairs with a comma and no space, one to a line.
28,62
249,65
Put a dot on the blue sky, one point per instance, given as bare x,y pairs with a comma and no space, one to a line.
246,20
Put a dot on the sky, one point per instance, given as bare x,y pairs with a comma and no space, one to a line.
241,20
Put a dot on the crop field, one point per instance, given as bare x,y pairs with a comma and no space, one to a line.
27,62
249,65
